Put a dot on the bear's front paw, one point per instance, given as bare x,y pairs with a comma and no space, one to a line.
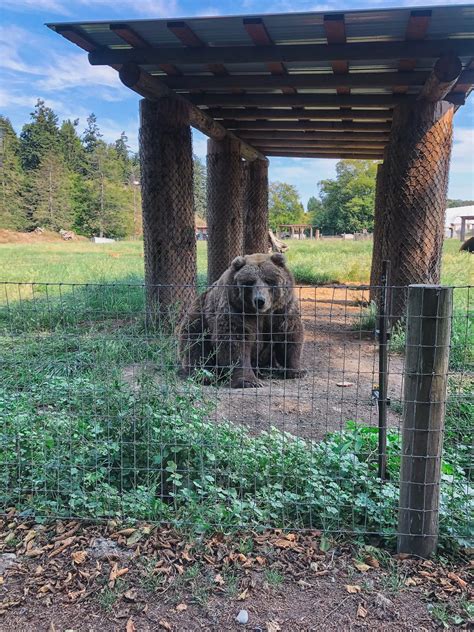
245,382
293,374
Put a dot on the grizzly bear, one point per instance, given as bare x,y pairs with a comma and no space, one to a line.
246,325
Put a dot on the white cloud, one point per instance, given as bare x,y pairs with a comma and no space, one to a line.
150,8
12,38
73,70
462,157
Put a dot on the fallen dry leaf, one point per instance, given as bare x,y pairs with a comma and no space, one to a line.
79,557
272,626
460,582
261,560
130,595
361,566
218,579
130,627
243,595
284,544
372,561
52,627
125,532
353,588
181,607
361,611
164,624
410,582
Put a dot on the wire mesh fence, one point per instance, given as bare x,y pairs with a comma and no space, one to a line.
102,414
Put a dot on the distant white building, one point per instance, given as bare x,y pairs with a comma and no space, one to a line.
452,224
102,240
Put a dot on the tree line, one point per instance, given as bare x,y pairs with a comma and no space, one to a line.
53,177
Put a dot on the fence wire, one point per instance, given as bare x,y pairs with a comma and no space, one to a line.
98,420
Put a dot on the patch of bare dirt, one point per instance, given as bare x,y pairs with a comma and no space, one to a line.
77,577
14,237
336,352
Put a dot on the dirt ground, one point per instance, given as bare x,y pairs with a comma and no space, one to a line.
336,351
14,237
67,576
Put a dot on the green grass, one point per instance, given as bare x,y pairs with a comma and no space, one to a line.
316,262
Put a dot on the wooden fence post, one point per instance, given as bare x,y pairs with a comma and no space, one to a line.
426,369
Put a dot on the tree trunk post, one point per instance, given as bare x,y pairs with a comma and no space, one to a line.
415,188
168,207
463,229
316,233
426,372
256,211
379,227
225,205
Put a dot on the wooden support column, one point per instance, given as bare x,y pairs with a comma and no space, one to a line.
224,205
463,229
426,376
256,211
415,189
378,235
168,207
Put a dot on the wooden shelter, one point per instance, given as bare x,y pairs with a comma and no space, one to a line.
381,84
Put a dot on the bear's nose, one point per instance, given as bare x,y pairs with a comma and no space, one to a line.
260,302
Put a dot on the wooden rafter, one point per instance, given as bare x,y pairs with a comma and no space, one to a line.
254,114
321,154
259,35
417,27
286,53
315,126
309,100
188,37
306,80
152,88
335,136
135,40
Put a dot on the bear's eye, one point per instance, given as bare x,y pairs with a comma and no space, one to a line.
271,282
248,282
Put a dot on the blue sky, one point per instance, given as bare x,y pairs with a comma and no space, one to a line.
35,62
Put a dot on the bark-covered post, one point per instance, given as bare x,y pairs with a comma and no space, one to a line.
426,374
225,205
256,212
419,154
378,235
168,207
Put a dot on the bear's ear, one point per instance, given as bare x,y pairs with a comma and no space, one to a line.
238,263
278,259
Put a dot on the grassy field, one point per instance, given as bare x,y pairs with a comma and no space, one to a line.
325,261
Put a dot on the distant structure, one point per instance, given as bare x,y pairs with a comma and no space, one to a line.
459,222
298,231
201,228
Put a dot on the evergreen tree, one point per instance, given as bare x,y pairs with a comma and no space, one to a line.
71,146
200,182
51,189
39,136
122,148
284,205
315,211
12,179
91,136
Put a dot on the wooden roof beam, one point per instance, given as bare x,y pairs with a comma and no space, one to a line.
417,27
325,144
309,100
80,39
253,114
259,35
306,80
285,53
442,79
320,154
188,37
253,137
135,40
151,87
314,126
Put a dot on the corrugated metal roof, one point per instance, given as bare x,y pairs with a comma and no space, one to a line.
450,22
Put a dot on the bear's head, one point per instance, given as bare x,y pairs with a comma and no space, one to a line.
260,283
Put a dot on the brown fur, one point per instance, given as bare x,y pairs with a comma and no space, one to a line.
247,322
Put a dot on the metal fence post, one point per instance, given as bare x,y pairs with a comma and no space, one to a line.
426,368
